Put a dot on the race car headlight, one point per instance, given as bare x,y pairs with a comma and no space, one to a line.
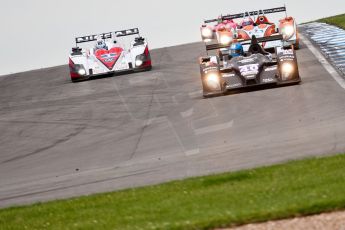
81,71
206,33
138,62
287,69
288,32
225,39
212,81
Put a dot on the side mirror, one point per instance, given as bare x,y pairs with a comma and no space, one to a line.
139,39
205,59
76,51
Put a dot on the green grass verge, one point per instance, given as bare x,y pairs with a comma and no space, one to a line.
292,189
338,20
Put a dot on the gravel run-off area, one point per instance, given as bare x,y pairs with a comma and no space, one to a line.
325,221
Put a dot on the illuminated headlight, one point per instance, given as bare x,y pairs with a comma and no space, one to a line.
287,70
81,72
207,33
138,62
288,32
212,81
225,39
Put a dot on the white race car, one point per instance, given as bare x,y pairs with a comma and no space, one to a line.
107,56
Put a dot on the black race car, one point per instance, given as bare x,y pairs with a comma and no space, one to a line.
255,67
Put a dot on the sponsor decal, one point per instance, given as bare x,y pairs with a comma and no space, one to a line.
235,85
286,52
270,68
127,32
247,60
287,56
257,32
107,35
108,57
211,68
287,59
272,44
267,80
93,37
229,75
249,77
251,69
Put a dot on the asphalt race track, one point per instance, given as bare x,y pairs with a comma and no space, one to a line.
60,139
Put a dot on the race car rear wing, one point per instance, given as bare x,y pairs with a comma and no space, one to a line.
109,35
246,42
252,13
129,32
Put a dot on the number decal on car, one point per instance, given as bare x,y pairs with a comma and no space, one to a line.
249,69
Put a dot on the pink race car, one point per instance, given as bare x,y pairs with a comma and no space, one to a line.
223,30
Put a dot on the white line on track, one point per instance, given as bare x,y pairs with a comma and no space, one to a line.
187,152
195,93
213,128
157,101
173,98
330,69
187,113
